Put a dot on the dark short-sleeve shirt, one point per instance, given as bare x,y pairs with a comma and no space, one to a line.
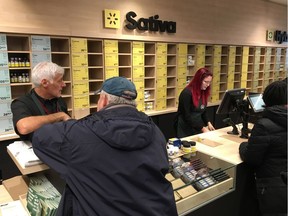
29,105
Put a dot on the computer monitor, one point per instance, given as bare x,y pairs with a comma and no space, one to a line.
256,102
231,101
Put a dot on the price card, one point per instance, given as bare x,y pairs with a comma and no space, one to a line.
111,60
182,49
161,82
6,125
182,60
3,42
138,72
81,101
138,47
161,104
79,45
182,70
139,84
79,59
5,93
5,109
161,48
138,60
111,72
4,76
111,46
4,59
161,93
161,60
40,43
161,70
81,88
80,73
39,57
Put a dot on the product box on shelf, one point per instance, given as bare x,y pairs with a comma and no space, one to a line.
16,186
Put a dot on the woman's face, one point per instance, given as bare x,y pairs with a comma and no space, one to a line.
206,82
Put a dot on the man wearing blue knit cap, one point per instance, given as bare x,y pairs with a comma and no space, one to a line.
114,161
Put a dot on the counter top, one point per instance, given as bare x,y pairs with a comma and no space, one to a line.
219,144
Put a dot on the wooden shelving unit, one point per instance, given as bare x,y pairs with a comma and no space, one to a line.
159,76
60,54
96,74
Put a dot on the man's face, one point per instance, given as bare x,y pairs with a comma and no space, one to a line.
54,88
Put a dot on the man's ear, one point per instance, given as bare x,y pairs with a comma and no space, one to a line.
44,83
102,102
105,100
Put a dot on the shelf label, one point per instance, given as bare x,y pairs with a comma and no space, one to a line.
111,60
81,88
5,92
182,49
111,72
161,48
139,84
39,57
182,60
161,104
161,71
200,48
161,82
181,82
111,46
138,60
80,73
79,59
3,59
5,109
40,43
138,47
182,70
79,45
138,72
161,60
81,101
3,42
6,125
4,76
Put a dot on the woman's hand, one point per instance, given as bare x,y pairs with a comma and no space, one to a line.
210,127
205,129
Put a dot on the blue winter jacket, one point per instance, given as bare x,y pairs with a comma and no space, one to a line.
114,163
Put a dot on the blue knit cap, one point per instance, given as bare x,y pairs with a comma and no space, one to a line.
119,86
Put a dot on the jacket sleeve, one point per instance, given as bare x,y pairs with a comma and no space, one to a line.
253,151
50,145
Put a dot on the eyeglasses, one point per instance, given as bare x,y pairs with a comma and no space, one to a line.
207,82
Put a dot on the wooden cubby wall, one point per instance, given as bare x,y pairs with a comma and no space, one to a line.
160,77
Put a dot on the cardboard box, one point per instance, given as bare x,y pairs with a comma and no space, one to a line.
16,186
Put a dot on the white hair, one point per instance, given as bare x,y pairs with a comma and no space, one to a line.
45,70
112,99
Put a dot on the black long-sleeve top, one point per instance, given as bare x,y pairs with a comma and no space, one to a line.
191,119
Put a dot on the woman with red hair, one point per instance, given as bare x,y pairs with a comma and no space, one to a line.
191,114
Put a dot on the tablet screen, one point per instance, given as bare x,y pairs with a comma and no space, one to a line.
256,102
